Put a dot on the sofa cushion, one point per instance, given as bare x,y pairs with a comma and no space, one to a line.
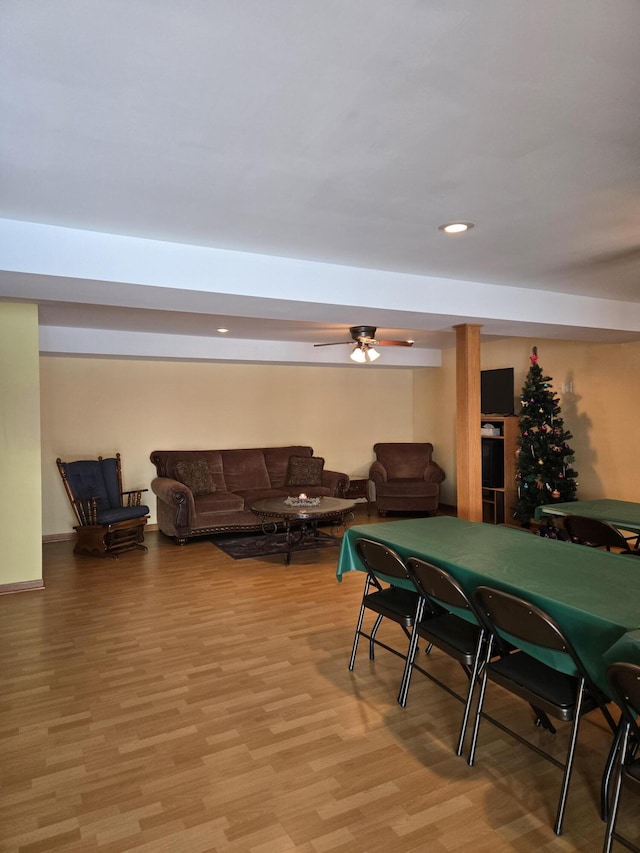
245,469
277,460
402,487
250,496
218,502
305,471
195,474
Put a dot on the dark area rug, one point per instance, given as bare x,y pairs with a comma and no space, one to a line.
242,546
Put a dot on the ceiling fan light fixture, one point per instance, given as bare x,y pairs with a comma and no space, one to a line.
371,354
363,352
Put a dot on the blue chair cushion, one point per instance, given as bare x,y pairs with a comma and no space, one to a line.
86,479
123,513
109,469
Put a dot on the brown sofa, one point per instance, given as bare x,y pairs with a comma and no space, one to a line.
224,483
405,477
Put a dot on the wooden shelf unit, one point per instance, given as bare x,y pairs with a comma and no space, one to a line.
499,492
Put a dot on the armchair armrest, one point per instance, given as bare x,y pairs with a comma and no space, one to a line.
172,492
336,481
433,473
86,510
377,472
179,497
133,497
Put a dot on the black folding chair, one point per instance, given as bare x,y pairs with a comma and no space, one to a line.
549,691
597,534
624,683
462,639
398,604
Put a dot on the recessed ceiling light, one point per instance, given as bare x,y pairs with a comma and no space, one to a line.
455,227
222,331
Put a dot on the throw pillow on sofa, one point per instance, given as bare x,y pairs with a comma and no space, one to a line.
195,474
305,471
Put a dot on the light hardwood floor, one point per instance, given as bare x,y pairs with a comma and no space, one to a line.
182,701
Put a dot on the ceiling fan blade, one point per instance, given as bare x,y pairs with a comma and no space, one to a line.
364,336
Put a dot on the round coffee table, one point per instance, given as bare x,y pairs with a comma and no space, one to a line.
301,522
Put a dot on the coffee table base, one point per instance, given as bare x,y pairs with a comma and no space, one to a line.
297,534
301,525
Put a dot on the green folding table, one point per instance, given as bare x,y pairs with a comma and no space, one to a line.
625,515
593,595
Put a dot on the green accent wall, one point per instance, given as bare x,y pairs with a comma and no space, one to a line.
20,496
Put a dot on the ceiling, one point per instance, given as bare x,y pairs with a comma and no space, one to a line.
281,169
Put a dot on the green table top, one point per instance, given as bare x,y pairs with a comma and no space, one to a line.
625,650
622,514
593,595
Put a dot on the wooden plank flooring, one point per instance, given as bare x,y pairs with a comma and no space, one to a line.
182,701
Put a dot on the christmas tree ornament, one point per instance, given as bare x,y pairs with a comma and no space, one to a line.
555,494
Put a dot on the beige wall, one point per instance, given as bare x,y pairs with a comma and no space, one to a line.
602,411
20,496
92,406
434,419
100,406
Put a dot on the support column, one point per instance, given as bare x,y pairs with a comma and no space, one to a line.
468,447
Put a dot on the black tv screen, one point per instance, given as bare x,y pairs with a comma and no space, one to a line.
497,391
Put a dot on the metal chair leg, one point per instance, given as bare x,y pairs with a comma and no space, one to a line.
356,638
483,689
473,677
411,656
566,779
543,720
372,638
623,742
608,771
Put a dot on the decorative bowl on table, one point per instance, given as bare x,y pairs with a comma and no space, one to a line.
301,500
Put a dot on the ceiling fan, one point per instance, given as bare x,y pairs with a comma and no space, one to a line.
364,338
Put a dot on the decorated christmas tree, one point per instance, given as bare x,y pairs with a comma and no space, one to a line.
543,467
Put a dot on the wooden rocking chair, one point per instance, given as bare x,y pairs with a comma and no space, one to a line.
110,520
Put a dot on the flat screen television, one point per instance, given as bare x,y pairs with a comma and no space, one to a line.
497,391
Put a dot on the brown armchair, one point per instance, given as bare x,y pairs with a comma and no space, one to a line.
406,478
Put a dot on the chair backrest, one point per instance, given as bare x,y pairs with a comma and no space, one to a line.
523,620
624,683
380,559
404,460
436,583
93,478
593,531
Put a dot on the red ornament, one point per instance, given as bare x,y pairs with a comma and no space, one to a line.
533,358
555,493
